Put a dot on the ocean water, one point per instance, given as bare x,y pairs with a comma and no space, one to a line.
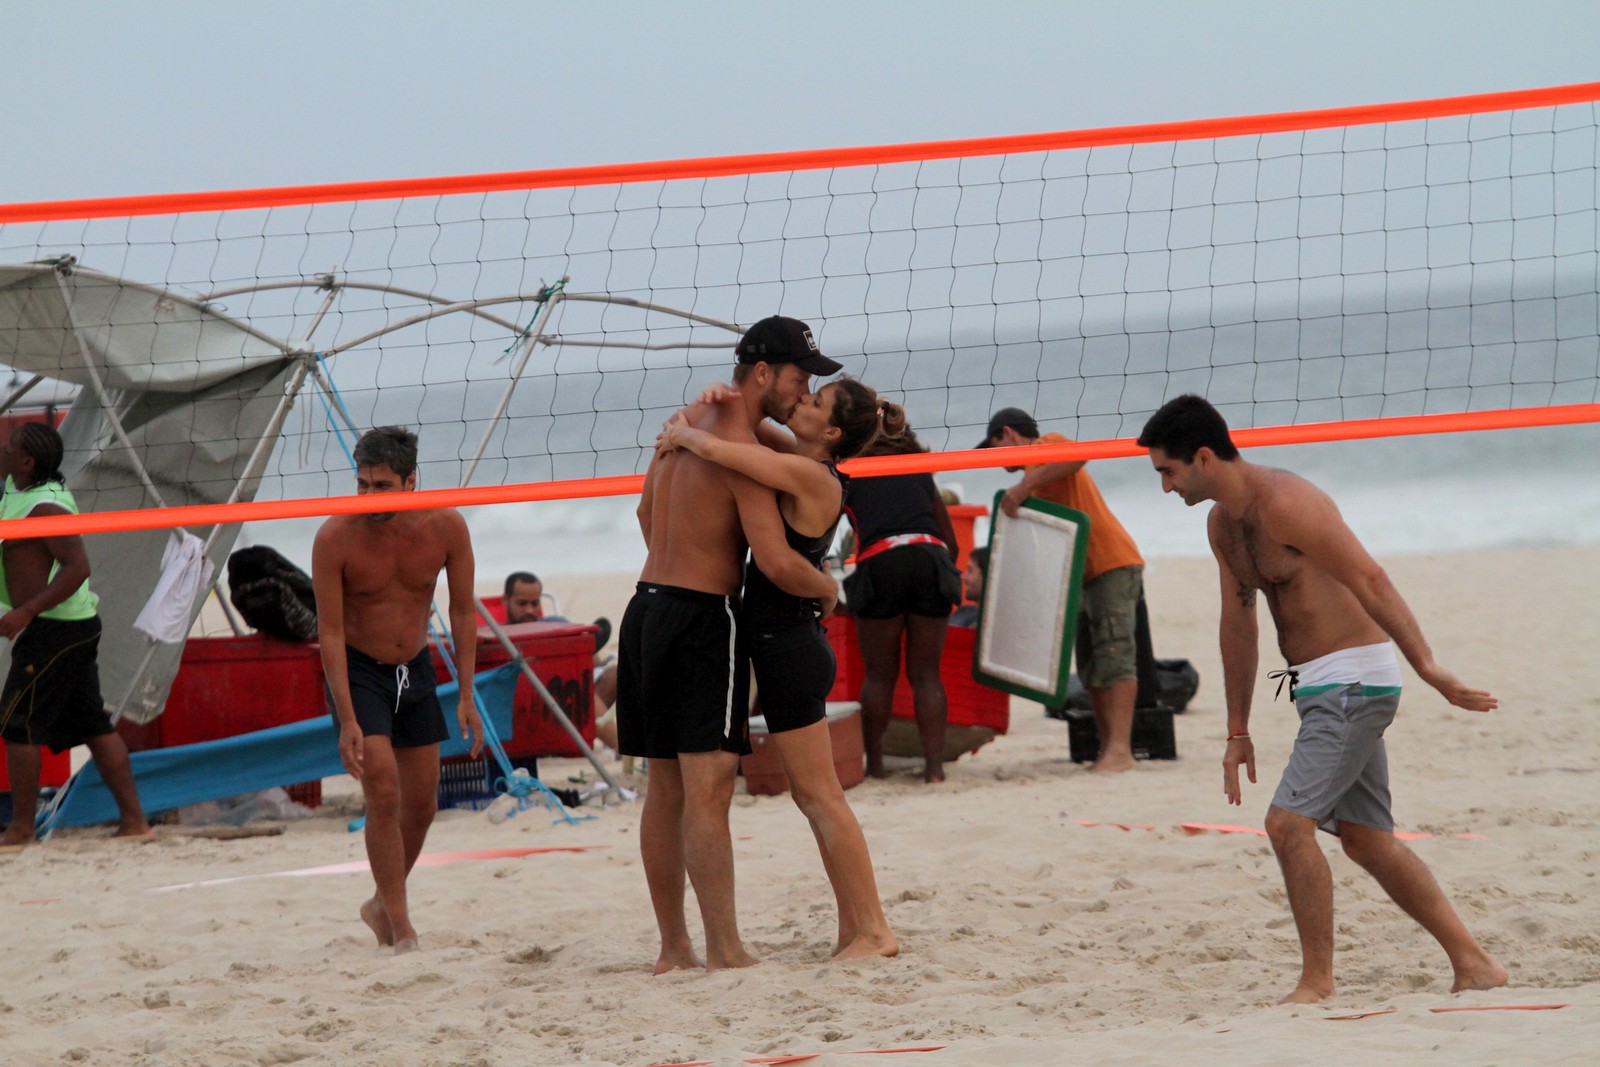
1408,495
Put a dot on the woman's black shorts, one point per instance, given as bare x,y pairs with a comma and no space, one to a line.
918,579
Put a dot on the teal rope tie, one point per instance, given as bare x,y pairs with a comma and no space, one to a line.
530,793
539,302
528,790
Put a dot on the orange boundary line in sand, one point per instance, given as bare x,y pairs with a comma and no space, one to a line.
1194,828
428,859
772,162
1500,1007
922,462
1440,1011
803,1056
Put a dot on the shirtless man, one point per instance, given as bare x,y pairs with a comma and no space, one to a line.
52,695
682,679
1336,613
375,575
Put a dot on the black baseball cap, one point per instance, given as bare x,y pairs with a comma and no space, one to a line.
1015,418
779,339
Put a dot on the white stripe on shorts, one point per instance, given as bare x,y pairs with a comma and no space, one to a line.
733,663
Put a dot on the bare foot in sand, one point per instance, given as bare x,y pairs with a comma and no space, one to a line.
136,829
405,936
932,775
730,960
1305,994
1113,763
15,838
865,946
373,915
1489,976
680,960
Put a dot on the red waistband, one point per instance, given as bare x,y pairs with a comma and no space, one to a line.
885,544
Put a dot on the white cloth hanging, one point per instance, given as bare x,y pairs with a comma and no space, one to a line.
185,575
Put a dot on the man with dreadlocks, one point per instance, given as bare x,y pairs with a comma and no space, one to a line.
52,695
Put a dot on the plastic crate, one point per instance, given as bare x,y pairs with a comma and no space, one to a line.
307,793
1152,738
465,782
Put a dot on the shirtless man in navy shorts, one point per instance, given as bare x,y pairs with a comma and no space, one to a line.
682,677
375,575
1339,619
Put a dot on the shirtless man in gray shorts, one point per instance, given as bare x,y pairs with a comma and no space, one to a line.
1336,613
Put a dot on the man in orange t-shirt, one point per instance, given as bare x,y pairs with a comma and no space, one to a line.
1113,582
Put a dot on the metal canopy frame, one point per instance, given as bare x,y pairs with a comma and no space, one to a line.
307,366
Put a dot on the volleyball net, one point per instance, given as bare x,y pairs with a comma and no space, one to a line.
1400,268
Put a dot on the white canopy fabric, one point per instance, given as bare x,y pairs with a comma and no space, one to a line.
174,401
139,337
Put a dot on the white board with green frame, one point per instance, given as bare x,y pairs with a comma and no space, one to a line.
1029,613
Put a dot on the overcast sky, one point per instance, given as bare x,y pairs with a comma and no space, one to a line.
112,98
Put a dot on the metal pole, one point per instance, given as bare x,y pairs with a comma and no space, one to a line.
105,401
544,694
20,392
530,338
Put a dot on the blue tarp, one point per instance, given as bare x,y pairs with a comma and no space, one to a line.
303,751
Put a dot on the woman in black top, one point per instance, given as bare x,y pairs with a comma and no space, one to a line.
788,647
902,590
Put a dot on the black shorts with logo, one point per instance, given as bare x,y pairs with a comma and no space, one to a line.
683,681
795,668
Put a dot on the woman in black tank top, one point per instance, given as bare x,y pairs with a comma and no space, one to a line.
793,662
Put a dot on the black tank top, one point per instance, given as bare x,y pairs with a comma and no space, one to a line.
764,602
892,504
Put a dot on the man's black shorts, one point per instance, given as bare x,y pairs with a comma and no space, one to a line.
398,702
52,695
683,682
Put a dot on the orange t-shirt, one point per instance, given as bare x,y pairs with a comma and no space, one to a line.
1110,546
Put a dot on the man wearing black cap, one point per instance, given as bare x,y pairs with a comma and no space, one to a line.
1113,581
779,339
682,678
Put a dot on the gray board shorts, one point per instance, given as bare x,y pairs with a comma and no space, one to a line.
1339,770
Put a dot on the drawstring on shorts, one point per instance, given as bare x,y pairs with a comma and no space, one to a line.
402,682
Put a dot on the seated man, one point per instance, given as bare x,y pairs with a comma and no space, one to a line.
972,588
524,601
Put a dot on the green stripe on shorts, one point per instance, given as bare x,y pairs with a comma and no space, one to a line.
1365,690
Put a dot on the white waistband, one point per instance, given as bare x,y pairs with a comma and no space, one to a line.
1369,664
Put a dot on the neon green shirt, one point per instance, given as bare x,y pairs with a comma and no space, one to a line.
18,504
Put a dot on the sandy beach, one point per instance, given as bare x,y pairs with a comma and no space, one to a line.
1044,915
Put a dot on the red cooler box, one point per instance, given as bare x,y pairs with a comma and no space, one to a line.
971,702
562,656
234,685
